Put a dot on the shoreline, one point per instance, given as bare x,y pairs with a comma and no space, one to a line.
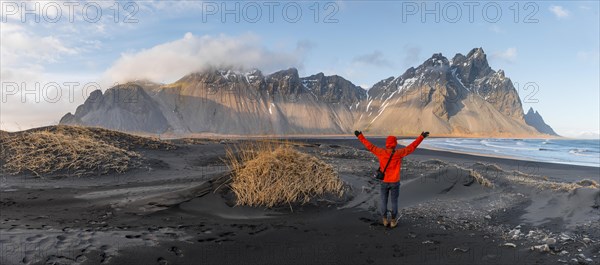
508,157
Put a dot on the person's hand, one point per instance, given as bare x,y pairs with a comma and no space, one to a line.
424,134
357,133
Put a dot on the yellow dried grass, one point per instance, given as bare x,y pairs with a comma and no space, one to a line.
545,184
71,151
481,179
273,174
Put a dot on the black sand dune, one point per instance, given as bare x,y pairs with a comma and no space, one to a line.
455,209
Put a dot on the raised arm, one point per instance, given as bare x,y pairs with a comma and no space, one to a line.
411,147
371,147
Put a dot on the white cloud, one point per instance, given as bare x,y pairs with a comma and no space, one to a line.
172,60
508,55
32,98
376,58
559,11
33,95
20,45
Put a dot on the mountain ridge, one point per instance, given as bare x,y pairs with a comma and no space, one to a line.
459,97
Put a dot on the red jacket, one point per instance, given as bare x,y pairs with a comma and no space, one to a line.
392,174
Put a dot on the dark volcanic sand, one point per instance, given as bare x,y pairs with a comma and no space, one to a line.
169,215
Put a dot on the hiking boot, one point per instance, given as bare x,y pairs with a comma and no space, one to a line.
394,223
385,221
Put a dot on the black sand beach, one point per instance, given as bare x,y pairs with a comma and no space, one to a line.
177,211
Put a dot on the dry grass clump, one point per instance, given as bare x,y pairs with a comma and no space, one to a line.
480,179
544,184
274,174
71,151
588,183
115,138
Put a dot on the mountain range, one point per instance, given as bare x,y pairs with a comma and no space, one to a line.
463,96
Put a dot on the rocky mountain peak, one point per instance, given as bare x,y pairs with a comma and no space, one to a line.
436,60
333,89
501,73
458,97
476,53
472,66
289,73
535,120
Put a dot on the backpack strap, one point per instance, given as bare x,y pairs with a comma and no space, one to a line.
388,162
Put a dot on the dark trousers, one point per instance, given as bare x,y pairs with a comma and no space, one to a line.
386,189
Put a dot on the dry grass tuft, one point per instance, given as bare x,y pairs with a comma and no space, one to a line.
588,183
274,174
71,151
480,179
544,184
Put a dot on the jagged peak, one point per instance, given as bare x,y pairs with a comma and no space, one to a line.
501,73
530,110
438,56
318,75
410,72
476,53
289,71
458,57
437,59
95,94
321,75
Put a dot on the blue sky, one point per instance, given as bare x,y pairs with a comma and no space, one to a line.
554,45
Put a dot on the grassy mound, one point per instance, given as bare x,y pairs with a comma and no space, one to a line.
270,174
114,138
71,151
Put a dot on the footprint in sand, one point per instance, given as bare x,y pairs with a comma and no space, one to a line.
162,261
176,251
104,257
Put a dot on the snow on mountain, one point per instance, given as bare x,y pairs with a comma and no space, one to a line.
461,97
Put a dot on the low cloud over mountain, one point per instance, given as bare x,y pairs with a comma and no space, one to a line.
463,96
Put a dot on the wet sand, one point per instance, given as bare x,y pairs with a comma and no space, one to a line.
171,214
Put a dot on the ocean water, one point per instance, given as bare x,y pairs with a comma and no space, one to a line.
563,151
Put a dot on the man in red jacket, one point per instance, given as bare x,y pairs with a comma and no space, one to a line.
391,179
